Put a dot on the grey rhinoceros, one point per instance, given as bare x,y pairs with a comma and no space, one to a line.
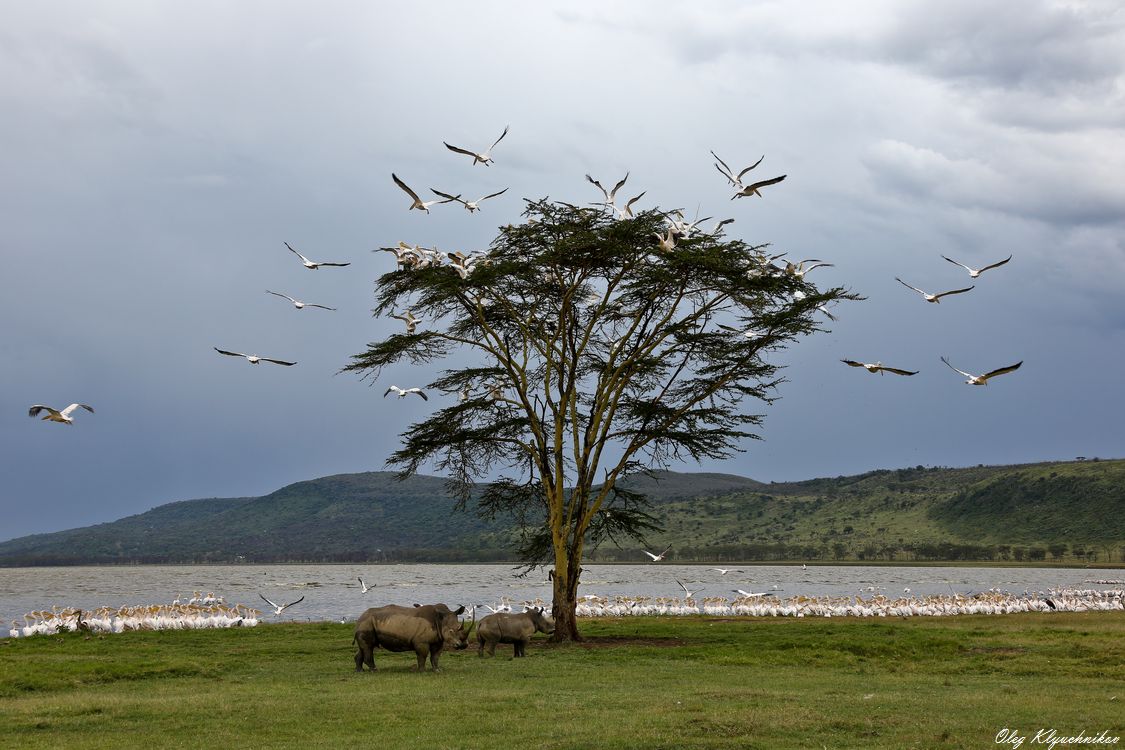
425,630
504,627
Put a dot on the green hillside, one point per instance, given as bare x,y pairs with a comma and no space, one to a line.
1072,511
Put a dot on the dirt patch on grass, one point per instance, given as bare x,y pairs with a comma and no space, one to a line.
612,641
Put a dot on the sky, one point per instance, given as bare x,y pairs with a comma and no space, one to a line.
157,156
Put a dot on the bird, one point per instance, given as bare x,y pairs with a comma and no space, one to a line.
666,241
687,591
470,206
254,358
298,303
627,212
418,202
799,270
975,272
748,594
752,189
363,585
878,367
402,393
311,265
54,415
983,379
486,157
609,196
725,171
933,297
656,558
722,571
750,333
279,608
410,320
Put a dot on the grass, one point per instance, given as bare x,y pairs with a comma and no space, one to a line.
640,682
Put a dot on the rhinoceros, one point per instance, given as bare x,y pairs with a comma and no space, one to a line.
504,627
425,630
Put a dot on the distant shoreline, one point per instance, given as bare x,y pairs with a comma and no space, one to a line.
613,563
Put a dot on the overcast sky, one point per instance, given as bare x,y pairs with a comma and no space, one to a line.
157,155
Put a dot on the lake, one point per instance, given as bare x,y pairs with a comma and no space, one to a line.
332,592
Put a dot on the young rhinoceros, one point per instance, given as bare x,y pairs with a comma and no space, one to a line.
510,628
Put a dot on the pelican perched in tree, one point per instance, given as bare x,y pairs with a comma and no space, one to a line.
608,195
486,157
799,270
254,358
878,367
667,241
657,558
753,188
470,206
406,256
279,608
54,415
313,265
975,272
983,379
734,180
418,202
934,297
402,393
298,303
410,320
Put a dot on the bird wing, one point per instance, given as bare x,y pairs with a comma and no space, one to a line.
954,291
70,409
268,601
724,170
852,363
1002,370
277,361
493,195
951,367
322,307
897,371
34,410
448,198
290,604
279,294
994,265
598,185
685,588
296,253
634,200
618,185
908,286
500,138
466,152
392,388
958,264
405,187
322,263
649,554
764,183
752,166
420,393
230,354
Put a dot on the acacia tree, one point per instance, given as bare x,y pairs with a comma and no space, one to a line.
597,350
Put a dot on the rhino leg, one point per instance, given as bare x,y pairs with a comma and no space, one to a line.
365,654
434,654
480,646
492,648
520,649
421,651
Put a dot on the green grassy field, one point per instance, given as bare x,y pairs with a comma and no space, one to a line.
639,682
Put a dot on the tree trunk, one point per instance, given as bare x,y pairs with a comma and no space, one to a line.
565,600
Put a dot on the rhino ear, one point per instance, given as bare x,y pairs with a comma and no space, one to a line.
460,610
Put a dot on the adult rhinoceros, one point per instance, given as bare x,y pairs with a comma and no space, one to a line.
503,627
425,630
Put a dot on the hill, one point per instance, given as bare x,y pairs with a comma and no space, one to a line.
1065,509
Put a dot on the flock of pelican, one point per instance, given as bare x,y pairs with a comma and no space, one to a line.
105,620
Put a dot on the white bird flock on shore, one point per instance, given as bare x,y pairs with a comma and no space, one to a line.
106,620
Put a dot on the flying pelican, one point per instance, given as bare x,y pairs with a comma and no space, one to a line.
402,393
471,206
312,266
723,571
725,171
298,303
411,321
878,367
667,241
279,608
54,415
363,585
975,272
656,558
752,189
418,202
798,269
933,297
486,157
609,196
627,212
983,379
254,358
749,594
687,591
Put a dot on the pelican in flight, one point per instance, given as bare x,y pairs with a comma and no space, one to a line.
975,272
689,593
254,358
470,206
734,180
609,195
799,270
878,367
723,571
752,189
486,157
418,202
298,303
279,608
402,393
627,212
656,558
933,297
410,320
363,585
983,379
54,415
311,265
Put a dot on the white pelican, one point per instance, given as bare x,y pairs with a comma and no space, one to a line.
798,269
298,303
486,157
471,206
749,594
752,189
279,608
657,558
254,358
410,320
311,265
718,227
666,241
723,571
983,379
609,196
933,297
627,212
878,367
363,585
725,171
750,333
54,415
687,591
402,393
418,202
975,272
